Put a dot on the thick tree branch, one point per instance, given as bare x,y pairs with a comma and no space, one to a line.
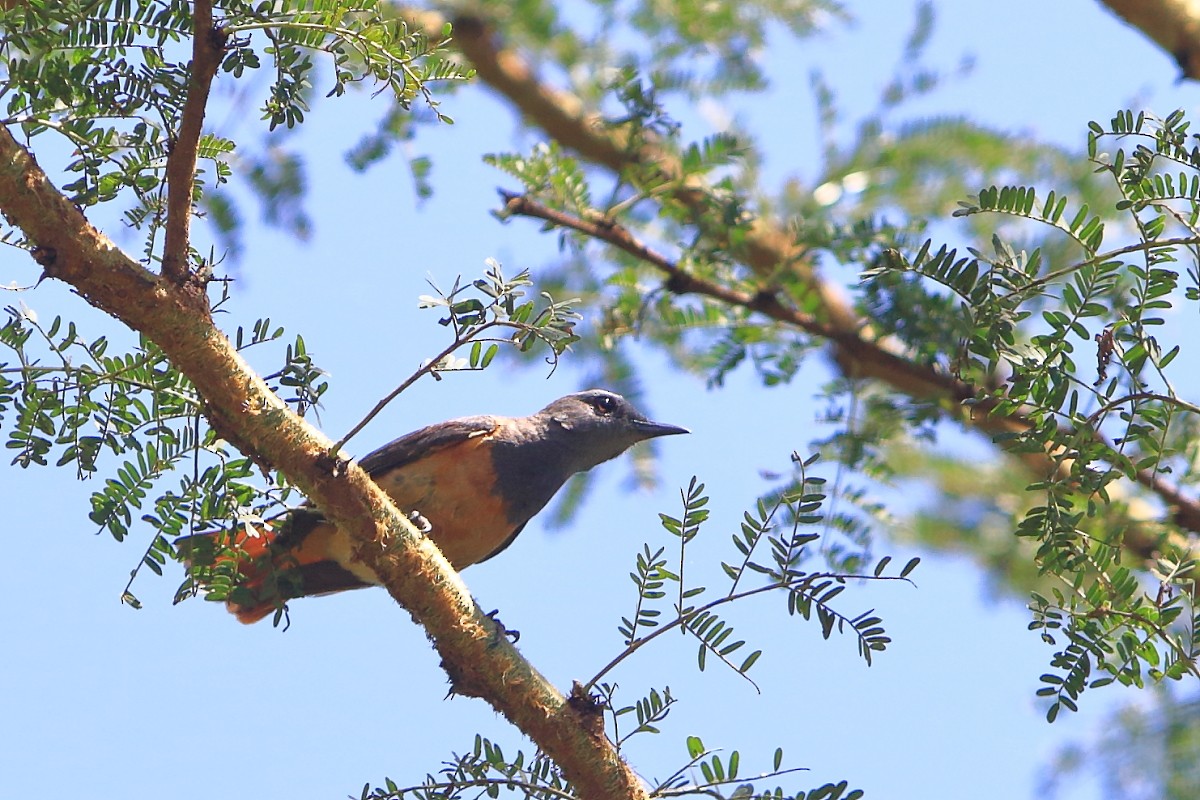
479,661
1174,25
912,378
767,249
208,45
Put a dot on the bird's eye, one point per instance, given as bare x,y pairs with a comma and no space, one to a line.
605,404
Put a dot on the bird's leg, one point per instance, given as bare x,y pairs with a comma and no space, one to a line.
419,521
512,633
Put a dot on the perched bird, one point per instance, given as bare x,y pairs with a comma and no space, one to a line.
473,483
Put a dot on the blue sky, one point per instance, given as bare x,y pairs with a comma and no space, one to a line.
182,702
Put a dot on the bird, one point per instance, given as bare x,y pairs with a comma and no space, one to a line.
471,484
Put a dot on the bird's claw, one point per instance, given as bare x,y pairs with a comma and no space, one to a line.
511,633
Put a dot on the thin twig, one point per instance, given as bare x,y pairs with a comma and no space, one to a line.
1137,619
1100,258
1139,396
429,367
679,772
684,618
707,788
679,281
208,46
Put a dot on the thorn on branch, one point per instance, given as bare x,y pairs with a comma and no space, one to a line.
1105,345
334,465
678,283
218,37
766,297
589,707
46,257
462,683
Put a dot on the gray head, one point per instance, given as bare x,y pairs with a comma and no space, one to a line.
535,455
597,425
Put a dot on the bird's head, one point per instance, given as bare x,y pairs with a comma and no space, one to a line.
598,425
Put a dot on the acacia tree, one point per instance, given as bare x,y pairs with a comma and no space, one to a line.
1047,346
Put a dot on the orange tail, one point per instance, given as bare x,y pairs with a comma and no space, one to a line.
242,568
256,571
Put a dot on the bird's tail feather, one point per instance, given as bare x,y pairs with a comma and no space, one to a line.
255,570
241,568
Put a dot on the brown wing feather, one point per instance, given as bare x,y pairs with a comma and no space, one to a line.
410,447
394,454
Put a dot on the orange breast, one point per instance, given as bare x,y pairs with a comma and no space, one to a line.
453,488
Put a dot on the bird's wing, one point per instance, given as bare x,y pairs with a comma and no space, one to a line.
412,446
393,455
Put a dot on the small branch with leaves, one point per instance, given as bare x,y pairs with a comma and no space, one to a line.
497,306
806,591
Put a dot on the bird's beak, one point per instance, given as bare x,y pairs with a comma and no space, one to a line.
649,430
